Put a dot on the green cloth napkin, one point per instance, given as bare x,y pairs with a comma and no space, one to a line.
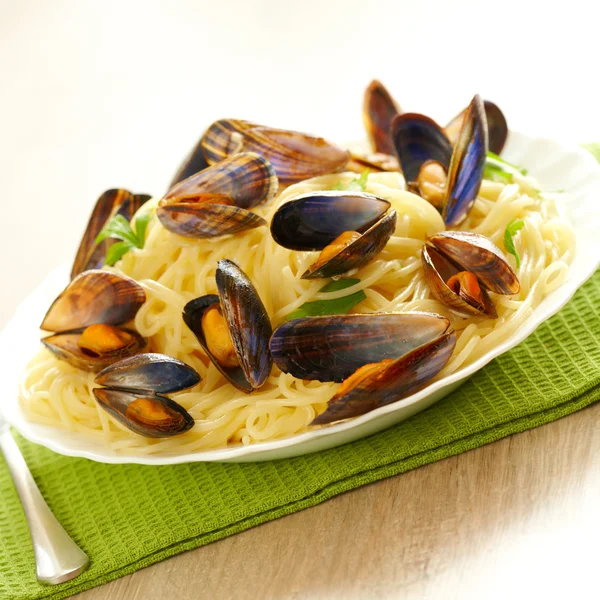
127,517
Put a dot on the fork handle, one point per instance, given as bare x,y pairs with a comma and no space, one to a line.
57,556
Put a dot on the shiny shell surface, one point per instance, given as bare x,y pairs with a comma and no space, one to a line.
152,416
479,255
65,346
331,348
248,323
438,269
398,380
496,125
294,155
247,178
205,220
112,202
312,221
417,139
379,110
156,373
94,297
467,165
359,253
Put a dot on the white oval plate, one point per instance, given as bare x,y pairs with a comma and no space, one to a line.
555,167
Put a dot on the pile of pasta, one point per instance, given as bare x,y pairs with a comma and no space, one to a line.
173,270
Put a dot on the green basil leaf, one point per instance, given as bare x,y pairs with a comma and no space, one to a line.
141,224
337,306
340,284
118,227
594,149
356,185
498,169
511,230
116,252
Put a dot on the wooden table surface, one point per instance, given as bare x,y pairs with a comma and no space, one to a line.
514,519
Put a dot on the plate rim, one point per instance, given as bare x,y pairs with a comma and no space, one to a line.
34,431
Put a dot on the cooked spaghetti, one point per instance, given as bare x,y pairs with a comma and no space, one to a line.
173,270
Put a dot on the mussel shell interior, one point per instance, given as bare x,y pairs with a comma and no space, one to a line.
192,316
94,297
116,402
467,165
399,379
479,255
202,220
312,221
360,252
150,372
247,178
331,348
65,347
417,139
438,269
379,110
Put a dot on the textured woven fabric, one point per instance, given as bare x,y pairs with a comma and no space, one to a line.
127,517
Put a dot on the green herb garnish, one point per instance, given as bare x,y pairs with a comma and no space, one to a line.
337,306
119,228
498,169
594,149
511,230
356,185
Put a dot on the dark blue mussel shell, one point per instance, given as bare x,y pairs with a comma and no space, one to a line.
314,220
417,139
248,322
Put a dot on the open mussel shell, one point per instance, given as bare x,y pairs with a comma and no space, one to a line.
496,125
331,348
312,221
65,346
396,381
247,178
204,220
112,202
467,165
418,139
295,156
379,110
94,297
247,321
477,254
438,270
152,373
357,254
149,415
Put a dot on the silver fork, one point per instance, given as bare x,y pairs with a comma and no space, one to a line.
57,556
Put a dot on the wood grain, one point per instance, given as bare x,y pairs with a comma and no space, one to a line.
514,519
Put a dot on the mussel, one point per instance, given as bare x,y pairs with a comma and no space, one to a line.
85,319
449,178
379,110
379,358
233,328
350,229
112,202
132,390
295,156
496,126
215,201
461,267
